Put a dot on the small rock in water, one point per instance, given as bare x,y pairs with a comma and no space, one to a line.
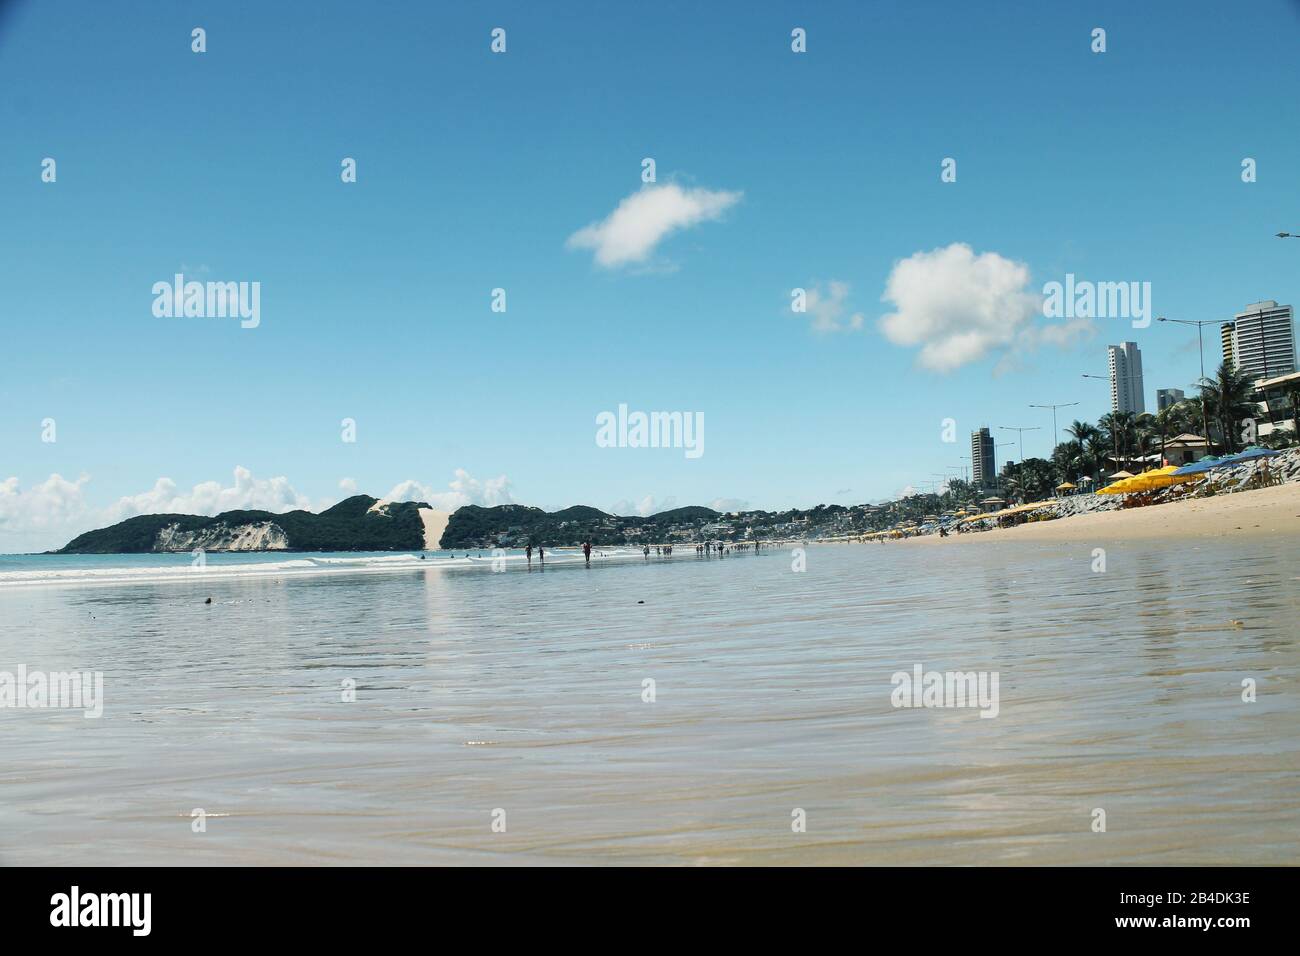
640,602
208,601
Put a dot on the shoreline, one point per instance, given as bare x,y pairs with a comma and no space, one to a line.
1264,512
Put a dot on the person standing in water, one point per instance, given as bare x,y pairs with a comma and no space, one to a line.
586,552
528,552
541,554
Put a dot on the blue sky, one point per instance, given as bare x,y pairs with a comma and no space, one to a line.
474,169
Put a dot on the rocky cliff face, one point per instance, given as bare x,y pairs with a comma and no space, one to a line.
256,536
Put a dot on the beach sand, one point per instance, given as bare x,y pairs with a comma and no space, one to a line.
1265,512
435,523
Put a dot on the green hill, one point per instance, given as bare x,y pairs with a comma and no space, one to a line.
348,526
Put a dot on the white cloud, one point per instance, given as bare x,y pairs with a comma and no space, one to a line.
348,486
630,233
1061,335
827,308
42,517
958,306
211,497
464,489
644,507
649,505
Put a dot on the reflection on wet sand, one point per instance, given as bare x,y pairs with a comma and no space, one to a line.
476,691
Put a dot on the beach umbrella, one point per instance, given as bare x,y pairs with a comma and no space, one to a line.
1158,478
1118,486
1199,467
1251,453
1065,486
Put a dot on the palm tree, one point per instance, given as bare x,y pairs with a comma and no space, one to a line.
1068,457
1082,432
1120,433
1147,431
1228,401
1092,444
1030,479
1164,424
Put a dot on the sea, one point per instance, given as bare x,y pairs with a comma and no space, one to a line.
769,708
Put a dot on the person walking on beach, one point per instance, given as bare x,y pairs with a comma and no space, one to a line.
586,552
528,551
541,554
646,552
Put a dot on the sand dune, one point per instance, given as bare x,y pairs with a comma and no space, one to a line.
435,523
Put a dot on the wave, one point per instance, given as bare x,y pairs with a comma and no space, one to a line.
293,567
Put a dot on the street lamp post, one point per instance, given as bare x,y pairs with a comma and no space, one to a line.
1055,437
997,478
1021,432
1200,343
1114,432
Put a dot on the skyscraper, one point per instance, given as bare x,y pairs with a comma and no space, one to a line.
983,467
1126,378
1225,339
1168,396
1261,340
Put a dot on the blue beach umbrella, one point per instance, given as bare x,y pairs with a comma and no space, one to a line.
1253,452
1197,467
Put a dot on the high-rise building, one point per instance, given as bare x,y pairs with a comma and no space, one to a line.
1126,378
983,466
1225,339
1261,340
1168,396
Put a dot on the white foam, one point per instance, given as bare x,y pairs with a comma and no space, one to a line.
293,567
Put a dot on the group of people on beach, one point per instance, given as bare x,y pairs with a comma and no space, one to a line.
662,550
722,548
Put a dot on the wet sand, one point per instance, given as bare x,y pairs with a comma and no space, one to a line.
524,692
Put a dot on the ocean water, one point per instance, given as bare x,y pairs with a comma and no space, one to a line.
519,699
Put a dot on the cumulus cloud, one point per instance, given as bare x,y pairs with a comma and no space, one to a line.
729,504
643,507
828,307
348,486
959,306
464,489
630,233
212,497
43,516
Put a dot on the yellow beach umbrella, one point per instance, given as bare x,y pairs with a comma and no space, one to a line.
1140,482
1161,477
